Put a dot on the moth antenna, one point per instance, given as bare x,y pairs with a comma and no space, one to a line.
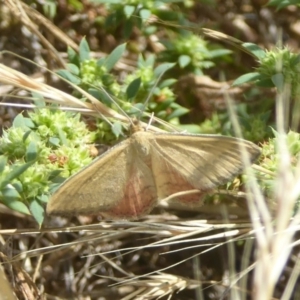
150,121
116,103
101,115
150,95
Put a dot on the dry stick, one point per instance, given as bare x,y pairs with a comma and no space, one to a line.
257,206
191,257
58,33
13,77
292,282
287,194
6,290
18,10
273,254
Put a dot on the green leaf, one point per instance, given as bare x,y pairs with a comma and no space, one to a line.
265,82
10,193
129,10
84,50
164,105
37,211
73,69
10,197
148,30
148,62
278,80
101,61
161,69
26,135
206,65
39,101
69,76
295,60
62,136
219,52
114,57
283,3
43,198
106,1
50,9
53,174
32,151
167,83
198,72
53,187
76,5
16,171
19,121
72,55
3,162
54,141
145,14
136,109
17,206
178,113
184,60
133,88
255,50
117,129
29,123
191,128
247,78
18,186
127,28
100,95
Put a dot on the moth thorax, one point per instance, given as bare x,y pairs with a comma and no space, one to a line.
141,144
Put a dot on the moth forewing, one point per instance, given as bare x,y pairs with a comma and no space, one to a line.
98,186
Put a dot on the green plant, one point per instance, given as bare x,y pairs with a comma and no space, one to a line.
190,51
270,159
283,3
37,153
277,68
95,77
132,13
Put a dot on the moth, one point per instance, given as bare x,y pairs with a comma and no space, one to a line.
128,180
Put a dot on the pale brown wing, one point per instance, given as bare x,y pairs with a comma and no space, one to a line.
117,185
139,195
99,186
185,162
